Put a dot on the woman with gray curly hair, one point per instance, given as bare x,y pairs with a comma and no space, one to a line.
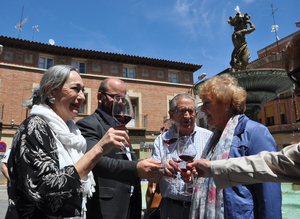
50,174
235,135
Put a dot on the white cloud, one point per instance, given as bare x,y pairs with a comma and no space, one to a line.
99,41
186,15
198,19
206,55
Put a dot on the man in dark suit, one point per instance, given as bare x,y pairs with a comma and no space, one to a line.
118,190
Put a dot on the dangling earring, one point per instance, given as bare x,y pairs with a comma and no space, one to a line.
225,109
51,99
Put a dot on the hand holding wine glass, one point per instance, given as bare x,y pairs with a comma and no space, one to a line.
122,112
186,152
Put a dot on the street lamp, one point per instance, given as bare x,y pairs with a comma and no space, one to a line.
1,49
195,86
200,77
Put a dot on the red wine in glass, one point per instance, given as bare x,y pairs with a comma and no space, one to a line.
187,158
186,152
170,133
122,112
123,119
170,141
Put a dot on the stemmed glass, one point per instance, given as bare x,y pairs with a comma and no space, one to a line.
122,112
169,135
186,152
175,157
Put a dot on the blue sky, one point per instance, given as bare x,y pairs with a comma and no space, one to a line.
187,31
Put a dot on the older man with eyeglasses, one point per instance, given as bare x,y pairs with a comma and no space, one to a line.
183,111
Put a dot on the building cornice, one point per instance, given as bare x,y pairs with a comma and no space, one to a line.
96,55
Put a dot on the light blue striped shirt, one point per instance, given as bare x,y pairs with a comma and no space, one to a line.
199,137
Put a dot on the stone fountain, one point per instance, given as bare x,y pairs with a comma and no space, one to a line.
262,85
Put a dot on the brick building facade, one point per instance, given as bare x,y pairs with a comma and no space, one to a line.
151,84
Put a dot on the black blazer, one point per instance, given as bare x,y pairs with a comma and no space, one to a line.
114,175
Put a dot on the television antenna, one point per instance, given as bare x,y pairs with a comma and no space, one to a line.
33,29
275,29
19,26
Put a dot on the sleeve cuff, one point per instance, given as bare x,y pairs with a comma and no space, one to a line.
220,174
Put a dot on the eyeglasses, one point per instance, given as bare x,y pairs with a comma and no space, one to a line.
295,76
183,111
117,96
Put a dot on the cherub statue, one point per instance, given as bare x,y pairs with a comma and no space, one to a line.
241,53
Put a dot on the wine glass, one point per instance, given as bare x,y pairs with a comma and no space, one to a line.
175,157
169,135
186,152
122,112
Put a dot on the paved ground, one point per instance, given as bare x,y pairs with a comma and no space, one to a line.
294,199
3,201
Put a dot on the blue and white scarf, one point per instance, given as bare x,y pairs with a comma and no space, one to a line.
207,201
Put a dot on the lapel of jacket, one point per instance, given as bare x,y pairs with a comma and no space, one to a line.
102,121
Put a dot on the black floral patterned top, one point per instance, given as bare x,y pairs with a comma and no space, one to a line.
40,189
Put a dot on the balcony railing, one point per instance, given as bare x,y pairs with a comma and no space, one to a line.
284,128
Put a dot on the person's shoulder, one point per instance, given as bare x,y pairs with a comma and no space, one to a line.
250,125
203,130
88,118
157,139
6,155
30,126
34,121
